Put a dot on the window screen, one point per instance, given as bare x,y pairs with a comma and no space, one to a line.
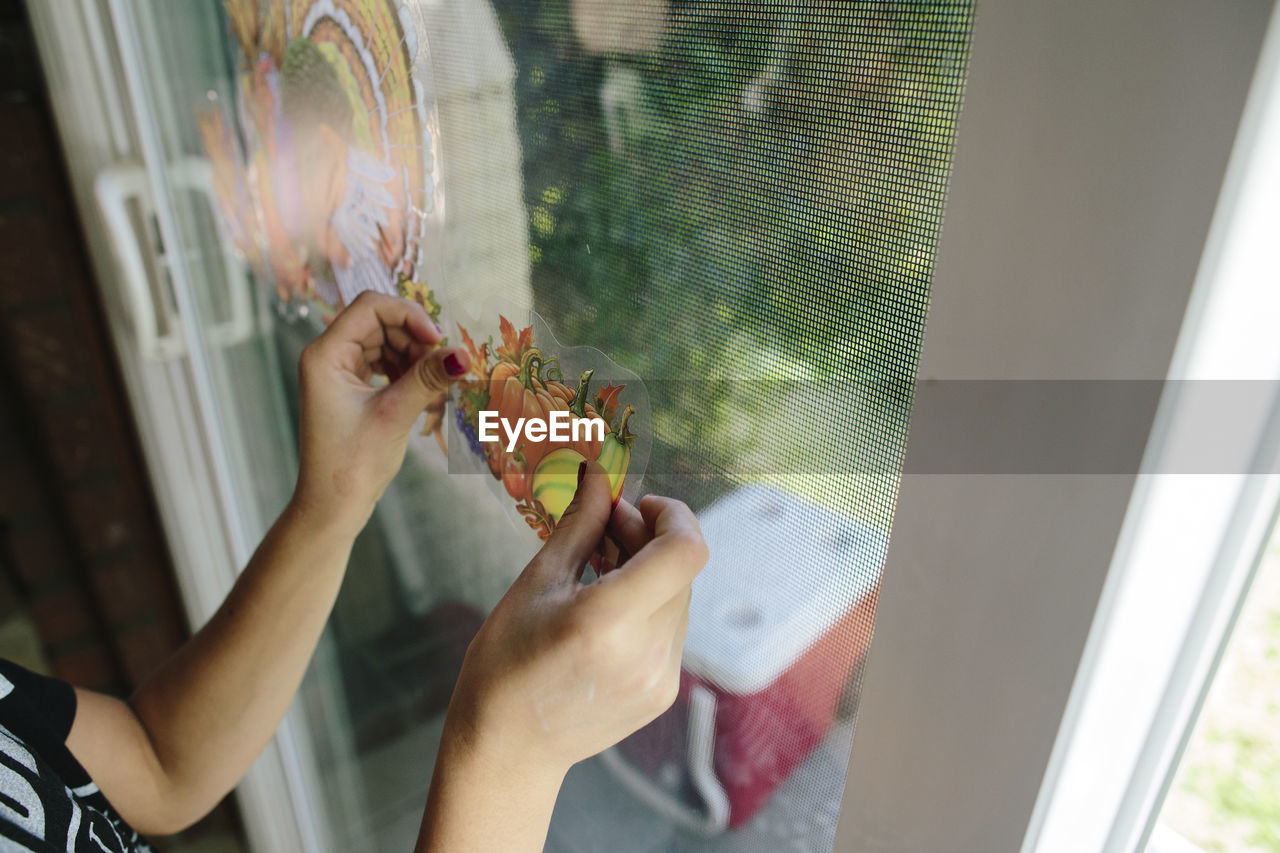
739,201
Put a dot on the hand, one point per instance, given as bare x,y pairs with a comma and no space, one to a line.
561,670
353,435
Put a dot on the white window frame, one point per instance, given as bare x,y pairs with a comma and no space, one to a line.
1018,696
1191,543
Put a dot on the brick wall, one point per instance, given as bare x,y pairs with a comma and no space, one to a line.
82,557
83,537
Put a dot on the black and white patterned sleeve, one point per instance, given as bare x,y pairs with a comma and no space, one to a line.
47,801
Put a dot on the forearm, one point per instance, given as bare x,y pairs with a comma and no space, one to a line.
210,710
192,730
481,801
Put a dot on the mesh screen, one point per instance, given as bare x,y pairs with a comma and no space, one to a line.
740,201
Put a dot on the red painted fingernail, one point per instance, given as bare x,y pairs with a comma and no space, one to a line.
452,365
582,471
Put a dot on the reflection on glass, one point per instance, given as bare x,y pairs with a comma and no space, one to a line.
739,202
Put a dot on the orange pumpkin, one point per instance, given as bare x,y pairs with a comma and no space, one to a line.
516,393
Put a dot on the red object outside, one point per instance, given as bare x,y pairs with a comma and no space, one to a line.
762,737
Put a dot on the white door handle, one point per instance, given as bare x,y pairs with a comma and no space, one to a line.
156,327
114,189
195,174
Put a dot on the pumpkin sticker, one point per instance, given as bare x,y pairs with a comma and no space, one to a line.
530,411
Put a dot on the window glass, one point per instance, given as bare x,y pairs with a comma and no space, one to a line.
737,201
1225,797
740,202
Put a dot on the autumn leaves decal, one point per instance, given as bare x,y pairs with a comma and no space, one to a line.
533,428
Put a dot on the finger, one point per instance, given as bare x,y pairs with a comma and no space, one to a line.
384,360
417,349
396,362
367,318
628,528
580,529
376,354
361,330
424,381
398,339
667,562
608,555
391,371
400,359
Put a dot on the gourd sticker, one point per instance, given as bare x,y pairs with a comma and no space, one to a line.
328,175
526,377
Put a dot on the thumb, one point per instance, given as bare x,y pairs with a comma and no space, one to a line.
426,380
581,528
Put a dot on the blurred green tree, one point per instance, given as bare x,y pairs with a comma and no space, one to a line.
754,194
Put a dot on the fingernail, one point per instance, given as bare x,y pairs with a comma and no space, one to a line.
582,471
452,365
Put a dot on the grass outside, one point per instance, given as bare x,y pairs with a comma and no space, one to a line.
1226,797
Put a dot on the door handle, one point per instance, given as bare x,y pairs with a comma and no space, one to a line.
157,328
114,188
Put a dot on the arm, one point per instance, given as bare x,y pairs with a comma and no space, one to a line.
193,728
561,670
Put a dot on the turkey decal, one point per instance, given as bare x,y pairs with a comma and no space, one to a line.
337,192
328,175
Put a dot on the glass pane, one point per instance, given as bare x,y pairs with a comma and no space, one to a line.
1225,797
740,203
185,48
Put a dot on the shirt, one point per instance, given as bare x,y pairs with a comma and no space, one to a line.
47,800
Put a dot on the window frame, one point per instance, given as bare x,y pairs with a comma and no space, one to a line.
1070,249
1229,334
